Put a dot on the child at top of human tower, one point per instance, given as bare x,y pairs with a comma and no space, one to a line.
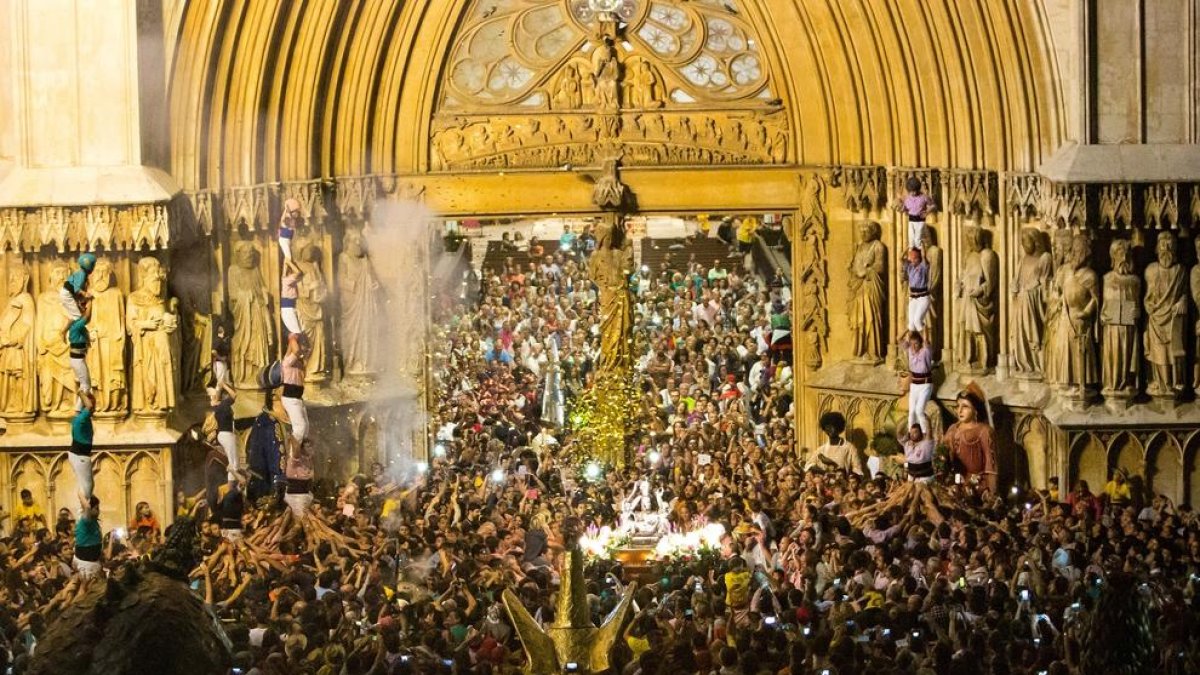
293,218
916,205
74,288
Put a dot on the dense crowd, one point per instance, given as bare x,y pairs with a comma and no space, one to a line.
411,581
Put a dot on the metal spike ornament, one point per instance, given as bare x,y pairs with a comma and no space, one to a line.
571,638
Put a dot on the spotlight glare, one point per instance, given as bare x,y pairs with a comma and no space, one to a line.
592,471
498,476
422,467
654,456
439,450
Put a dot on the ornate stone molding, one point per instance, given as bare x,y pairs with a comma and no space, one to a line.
1160,205
71,228
1023,194
354,196
865,187
249,206
811,233
1064,204
1116,206
973,194
196,208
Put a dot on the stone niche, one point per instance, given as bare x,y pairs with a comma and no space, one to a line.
1085,370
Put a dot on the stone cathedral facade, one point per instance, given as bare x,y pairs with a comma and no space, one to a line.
1058,140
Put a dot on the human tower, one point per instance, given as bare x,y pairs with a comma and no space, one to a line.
287,374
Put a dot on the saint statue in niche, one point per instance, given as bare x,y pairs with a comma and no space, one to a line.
106,356
310,306
253,321
1073,349
55,377
152,324
1121,349
358,291
1166,313
977,302
1034,274
868,294
18,377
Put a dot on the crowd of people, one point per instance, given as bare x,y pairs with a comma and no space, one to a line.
400,571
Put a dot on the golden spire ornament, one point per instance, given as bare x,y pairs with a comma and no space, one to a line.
571,643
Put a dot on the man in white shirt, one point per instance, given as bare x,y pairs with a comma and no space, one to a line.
836,452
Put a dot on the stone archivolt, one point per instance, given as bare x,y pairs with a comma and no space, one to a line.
676,84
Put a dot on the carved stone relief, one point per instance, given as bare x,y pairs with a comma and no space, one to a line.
811,232
650,138
565,82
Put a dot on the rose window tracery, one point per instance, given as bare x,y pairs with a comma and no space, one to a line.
548,83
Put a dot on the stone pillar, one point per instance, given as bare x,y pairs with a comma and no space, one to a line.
85,91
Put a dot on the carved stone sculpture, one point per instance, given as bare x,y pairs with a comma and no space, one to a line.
1034,275
152,325
253,321
18,371
310,305
645,90
1060,250
1196,304
606,74
868,294
568,93
933,256
610,266
358,290
977,303
56,390
1073,350
106,356
1166,313
1119,314
609,192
